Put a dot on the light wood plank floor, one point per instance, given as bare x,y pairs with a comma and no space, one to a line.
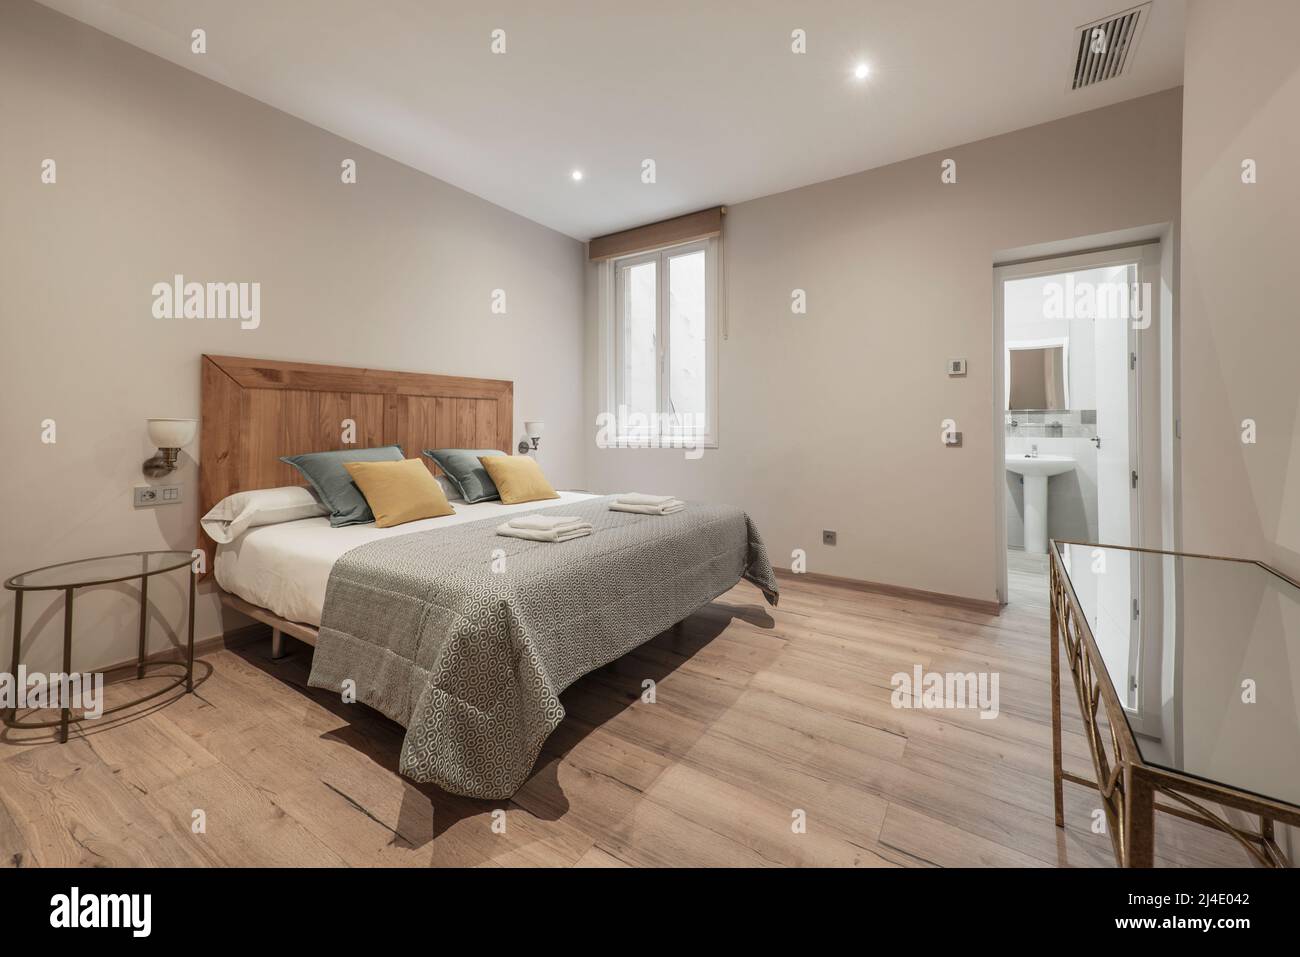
761,716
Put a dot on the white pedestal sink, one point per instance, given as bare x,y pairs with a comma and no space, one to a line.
1036,470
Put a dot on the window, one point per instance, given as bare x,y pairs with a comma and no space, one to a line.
662,375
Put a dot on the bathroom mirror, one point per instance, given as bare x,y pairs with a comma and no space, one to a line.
1037,374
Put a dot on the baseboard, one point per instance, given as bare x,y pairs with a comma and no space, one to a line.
235,638
898,591
247,634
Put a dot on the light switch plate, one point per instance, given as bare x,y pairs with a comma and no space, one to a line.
956,367
150,496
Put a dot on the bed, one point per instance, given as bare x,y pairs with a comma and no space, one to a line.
285,568
462,636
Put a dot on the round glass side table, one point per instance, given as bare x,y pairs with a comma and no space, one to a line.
67,577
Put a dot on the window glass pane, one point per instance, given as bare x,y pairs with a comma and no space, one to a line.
688,352
638,374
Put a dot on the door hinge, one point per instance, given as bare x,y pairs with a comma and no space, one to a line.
1132,360
1135,609
1134,478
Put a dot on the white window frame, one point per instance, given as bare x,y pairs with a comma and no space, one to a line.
612,335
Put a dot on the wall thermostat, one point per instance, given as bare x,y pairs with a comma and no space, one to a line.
956,367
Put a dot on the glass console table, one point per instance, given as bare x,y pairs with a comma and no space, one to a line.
67,577
1185,671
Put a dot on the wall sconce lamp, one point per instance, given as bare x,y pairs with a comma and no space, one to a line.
168,436
533,429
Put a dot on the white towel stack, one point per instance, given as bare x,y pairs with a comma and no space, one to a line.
647,504
545,528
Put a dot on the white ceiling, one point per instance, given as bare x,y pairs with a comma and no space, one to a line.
709,90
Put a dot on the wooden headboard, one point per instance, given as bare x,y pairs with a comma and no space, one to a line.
256,410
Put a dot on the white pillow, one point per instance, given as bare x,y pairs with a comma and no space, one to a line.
237,513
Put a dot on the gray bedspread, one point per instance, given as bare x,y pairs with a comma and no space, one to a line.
467,638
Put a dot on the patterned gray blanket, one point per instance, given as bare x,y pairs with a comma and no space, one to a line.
467,638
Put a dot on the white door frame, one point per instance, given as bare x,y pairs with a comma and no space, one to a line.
1147,256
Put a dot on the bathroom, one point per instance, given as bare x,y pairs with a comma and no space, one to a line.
1065,356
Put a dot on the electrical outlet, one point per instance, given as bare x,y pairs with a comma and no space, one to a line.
828,537
149,496
956,367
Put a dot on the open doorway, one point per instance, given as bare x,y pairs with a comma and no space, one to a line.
1077,427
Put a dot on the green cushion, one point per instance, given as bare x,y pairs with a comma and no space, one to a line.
333,484
466,472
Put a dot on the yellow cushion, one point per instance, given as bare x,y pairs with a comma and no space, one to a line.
518,478
399,492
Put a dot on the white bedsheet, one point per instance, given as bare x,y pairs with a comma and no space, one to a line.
285,568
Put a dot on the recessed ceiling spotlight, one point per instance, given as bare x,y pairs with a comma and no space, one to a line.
861,70
577,175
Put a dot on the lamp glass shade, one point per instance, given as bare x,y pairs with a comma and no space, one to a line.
533,428
172,433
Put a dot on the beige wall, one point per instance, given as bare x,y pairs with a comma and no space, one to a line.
1240,319
829,420
160,172
832,420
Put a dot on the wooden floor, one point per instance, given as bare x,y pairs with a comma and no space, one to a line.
759,714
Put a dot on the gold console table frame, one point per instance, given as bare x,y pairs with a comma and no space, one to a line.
1131,789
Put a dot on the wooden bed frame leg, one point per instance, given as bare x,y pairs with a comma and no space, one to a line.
277,644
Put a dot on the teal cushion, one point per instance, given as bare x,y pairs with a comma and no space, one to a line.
333,484
466,472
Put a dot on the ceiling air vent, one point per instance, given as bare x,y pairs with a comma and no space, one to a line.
1106,47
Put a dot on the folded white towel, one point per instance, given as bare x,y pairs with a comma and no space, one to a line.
668,508
535,535
548,523
638,498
